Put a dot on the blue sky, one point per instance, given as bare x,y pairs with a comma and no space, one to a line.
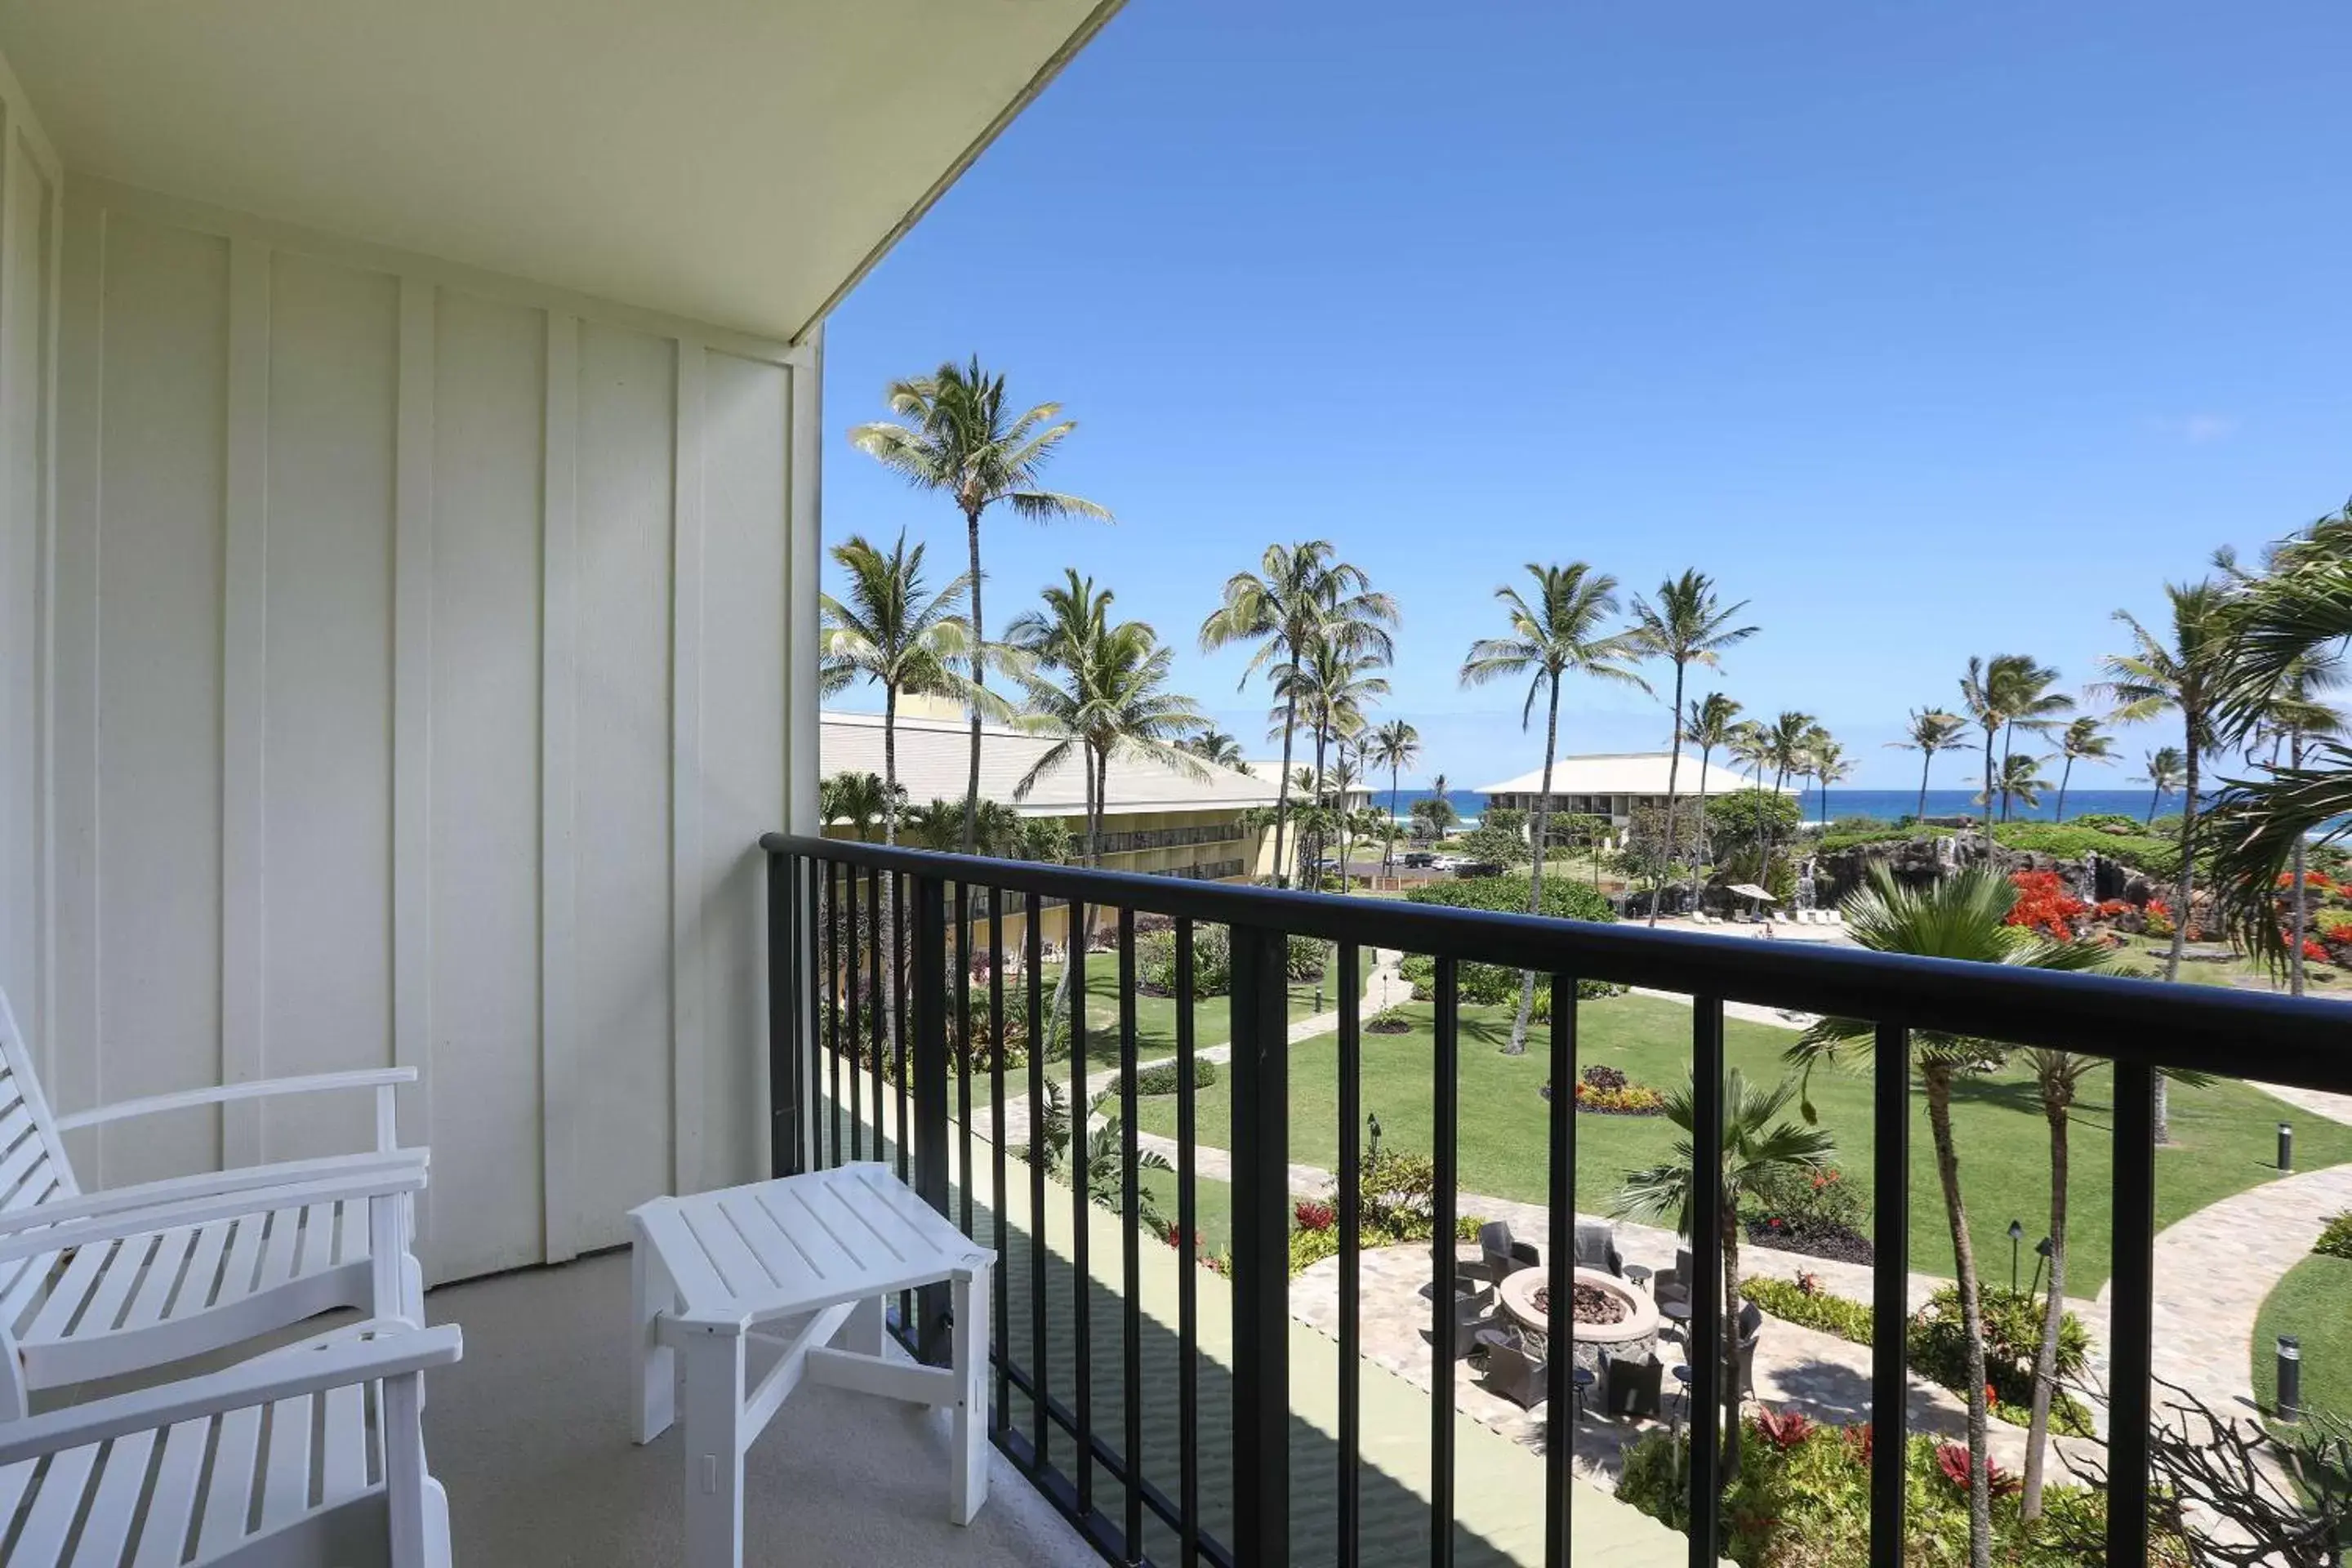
1928,330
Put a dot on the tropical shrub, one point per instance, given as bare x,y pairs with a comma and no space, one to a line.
1212,962
1165,1078
1305,959
1562,899
1628,1100
2046,903
2012,1335
1819,1212
1489,984
1801,1499
2150,852
1791,1302
2107,822
2335,1240
1388,1021
1313,1213
1601,1075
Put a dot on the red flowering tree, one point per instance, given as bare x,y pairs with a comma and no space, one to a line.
2044,904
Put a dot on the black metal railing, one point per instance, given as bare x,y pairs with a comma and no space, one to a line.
861,1070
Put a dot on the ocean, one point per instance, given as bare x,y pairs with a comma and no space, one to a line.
1885,805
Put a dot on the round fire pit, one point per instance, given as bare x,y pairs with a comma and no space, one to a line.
1611,1314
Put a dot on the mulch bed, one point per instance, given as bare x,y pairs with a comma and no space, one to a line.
1822,1239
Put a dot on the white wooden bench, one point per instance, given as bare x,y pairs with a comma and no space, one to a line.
96,1284
312,1454
717,1269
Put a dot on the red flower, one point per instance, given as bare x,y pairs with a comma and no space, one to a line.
1858,1437
1314,1215
2045,904
1952,1459
1785,1431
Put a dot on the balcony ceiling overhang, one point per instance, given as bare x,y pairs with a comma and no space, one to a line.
739,162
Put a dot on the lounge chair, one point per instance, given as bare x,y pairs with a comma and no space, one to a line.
1596,1247
1832,918
324,1482
87,1279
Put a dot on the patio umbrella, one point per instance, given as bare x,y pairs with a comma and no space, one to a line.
1751,890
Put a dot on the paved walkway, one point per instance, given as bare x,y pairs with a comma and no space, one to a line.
2215,1268
2318,1101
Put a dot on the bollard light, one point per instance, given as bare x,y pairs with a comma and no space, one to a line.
2290,1378
2016,1236
2286,1146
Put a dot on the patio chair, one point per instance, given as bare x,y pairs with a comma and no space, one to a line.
1499,1256
96,1284
1512,1372
340,1407
1471,1315
1596,1247
1630,1386
1745,1358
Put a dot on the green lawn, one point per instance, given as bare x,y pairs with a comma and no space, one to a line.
2223,1135
2309,1303
2147,955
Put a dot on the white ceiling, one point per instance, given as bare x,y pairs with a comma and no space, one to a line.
734,161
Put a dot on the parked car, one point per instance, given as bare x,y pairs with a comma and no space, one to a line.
1415,859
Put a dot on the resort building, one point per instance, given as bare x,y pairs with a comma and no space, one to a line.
1157,820
1615,784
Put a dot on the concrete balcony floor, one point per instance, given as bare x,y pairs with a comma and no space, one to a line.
530,1434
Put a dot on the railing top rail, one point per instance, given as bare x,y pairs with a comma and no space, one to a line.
2236,1033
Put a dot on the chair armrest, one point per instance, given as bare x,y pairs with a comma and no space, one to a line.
384,1080
208,1183
339,1361
35,1242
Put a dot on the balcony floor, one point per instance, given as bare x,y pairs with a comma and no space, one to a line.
531,1435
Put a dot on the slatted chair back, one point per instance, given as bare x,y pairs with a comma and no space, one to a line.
33,1164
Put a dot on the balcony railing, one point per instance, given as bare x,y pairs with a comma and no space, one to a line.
853,1080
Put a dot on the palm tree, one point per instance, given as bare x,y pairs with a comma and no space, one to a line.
857,799
891,630
1299,593
2188,676
1757,1145
1826,761
1931,730
1749,746
1981,694
2020,779
1784,744
2165,768
2026,702
2289,715
1214,745
1958,917
2084,740
1557,634
2058,1077
952,431
1709,725
1329,688
1687,626
1437,811
1396,746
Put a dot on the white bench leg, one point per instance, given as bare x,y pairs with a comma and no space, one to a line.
968,1485
714,1450
652,1362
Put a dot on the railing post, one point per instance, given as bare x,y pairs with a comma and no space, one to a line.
1261,1231
2131,1321
1890,1240
787,1105
926,1074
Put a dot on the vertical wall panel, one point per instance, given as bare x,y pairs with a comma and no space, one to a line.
327,871
627,414
490,375
25,274
746,408
420,689
159,599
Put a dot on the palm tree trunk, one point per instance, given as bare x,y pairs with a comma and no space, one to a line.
1704,847
1926,760
2008,747
888,1000
1519,1046
1092,853
2298,916
1387,856
1964,1258
2065,775
1987,799
2180,916
2056,1106
2154,799
1282,784
979,679
1673,768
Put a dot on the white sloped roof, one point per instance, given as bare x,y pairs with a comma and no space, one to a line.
1625,772
935,760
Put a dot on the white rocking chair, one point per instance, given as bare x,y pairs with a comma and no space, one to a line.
96,1284
244,1491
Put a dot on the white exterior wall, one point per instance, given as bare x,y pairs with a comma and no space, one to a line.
420,685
